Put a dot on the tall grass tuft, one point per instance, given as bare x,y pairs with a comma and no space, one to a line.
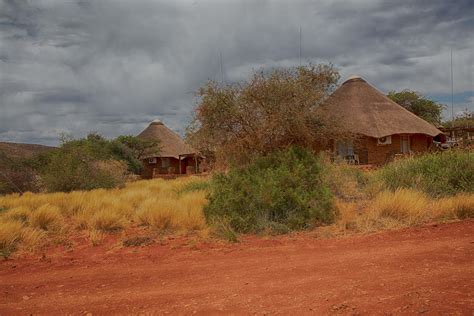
19,214
157,213
405,206
106,221
460,206
10,237
46,217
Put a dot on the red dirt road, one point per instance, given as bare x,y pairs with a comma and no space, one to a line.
427,270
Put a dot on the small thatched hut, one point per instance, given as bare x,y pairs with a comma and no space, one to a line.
384,128
174,157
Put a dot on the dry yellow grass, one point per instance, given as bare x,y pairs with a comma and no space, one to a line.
405,206
96,237
460,206
402,208
19,214
158,204
10,237
46,217
107,220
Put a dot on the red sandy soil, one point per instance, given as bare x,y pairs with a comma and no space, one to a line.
424,270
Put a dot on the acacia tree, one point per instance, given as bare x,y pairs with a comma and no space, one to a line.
419,105
272,111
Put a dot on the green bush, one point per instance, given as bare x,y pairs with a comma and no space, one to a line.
437,174
74,170
276,193
90,163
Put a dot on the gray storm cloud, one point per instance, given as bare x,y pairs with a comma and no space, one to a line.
112,66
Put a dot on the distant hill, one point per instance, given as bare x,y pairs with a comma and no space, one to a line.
18,150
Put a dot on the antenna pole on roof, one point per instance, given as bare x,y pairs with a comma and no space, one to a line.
452,89
300,46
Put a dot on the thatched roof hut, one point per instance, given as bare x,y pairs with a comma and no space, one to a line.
174,157
367,111
171,144
384,128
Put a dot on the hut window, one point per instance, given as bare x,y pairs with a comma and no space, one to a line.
404,144
344,148
165,162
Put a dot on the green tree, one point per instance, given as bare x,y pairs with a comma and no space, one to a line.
271,111
419,105
139,147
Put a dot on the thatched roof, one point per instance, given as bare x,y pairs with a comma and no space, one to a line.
171,145
362,109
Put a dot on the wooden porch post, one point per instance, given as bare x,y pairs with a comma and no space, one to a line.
179,161
196,162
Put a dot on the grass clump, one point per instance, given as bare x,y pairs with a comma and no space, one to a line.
19,214
157,213
96,237
460,206
436,174
106,221
285,190
10,237
407,207
46,217
170,214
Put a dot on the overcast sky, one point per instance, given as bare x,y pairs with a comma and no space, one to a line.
71,66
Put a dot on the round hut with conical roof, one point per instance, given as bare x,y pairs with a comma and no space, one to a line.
383,128
174,156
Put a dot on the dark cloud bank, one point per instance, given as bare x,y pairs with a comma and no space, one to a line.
112,66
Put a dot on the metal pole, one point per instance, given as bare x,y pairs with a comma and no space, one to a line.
300,46
222,68
452,89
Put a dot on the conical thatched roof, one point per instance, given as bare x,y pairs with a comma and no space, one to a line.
362,109
171,145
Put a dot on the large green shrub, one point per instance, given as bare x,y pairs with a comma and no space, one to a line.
91,162
437,174
72,169
276,193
